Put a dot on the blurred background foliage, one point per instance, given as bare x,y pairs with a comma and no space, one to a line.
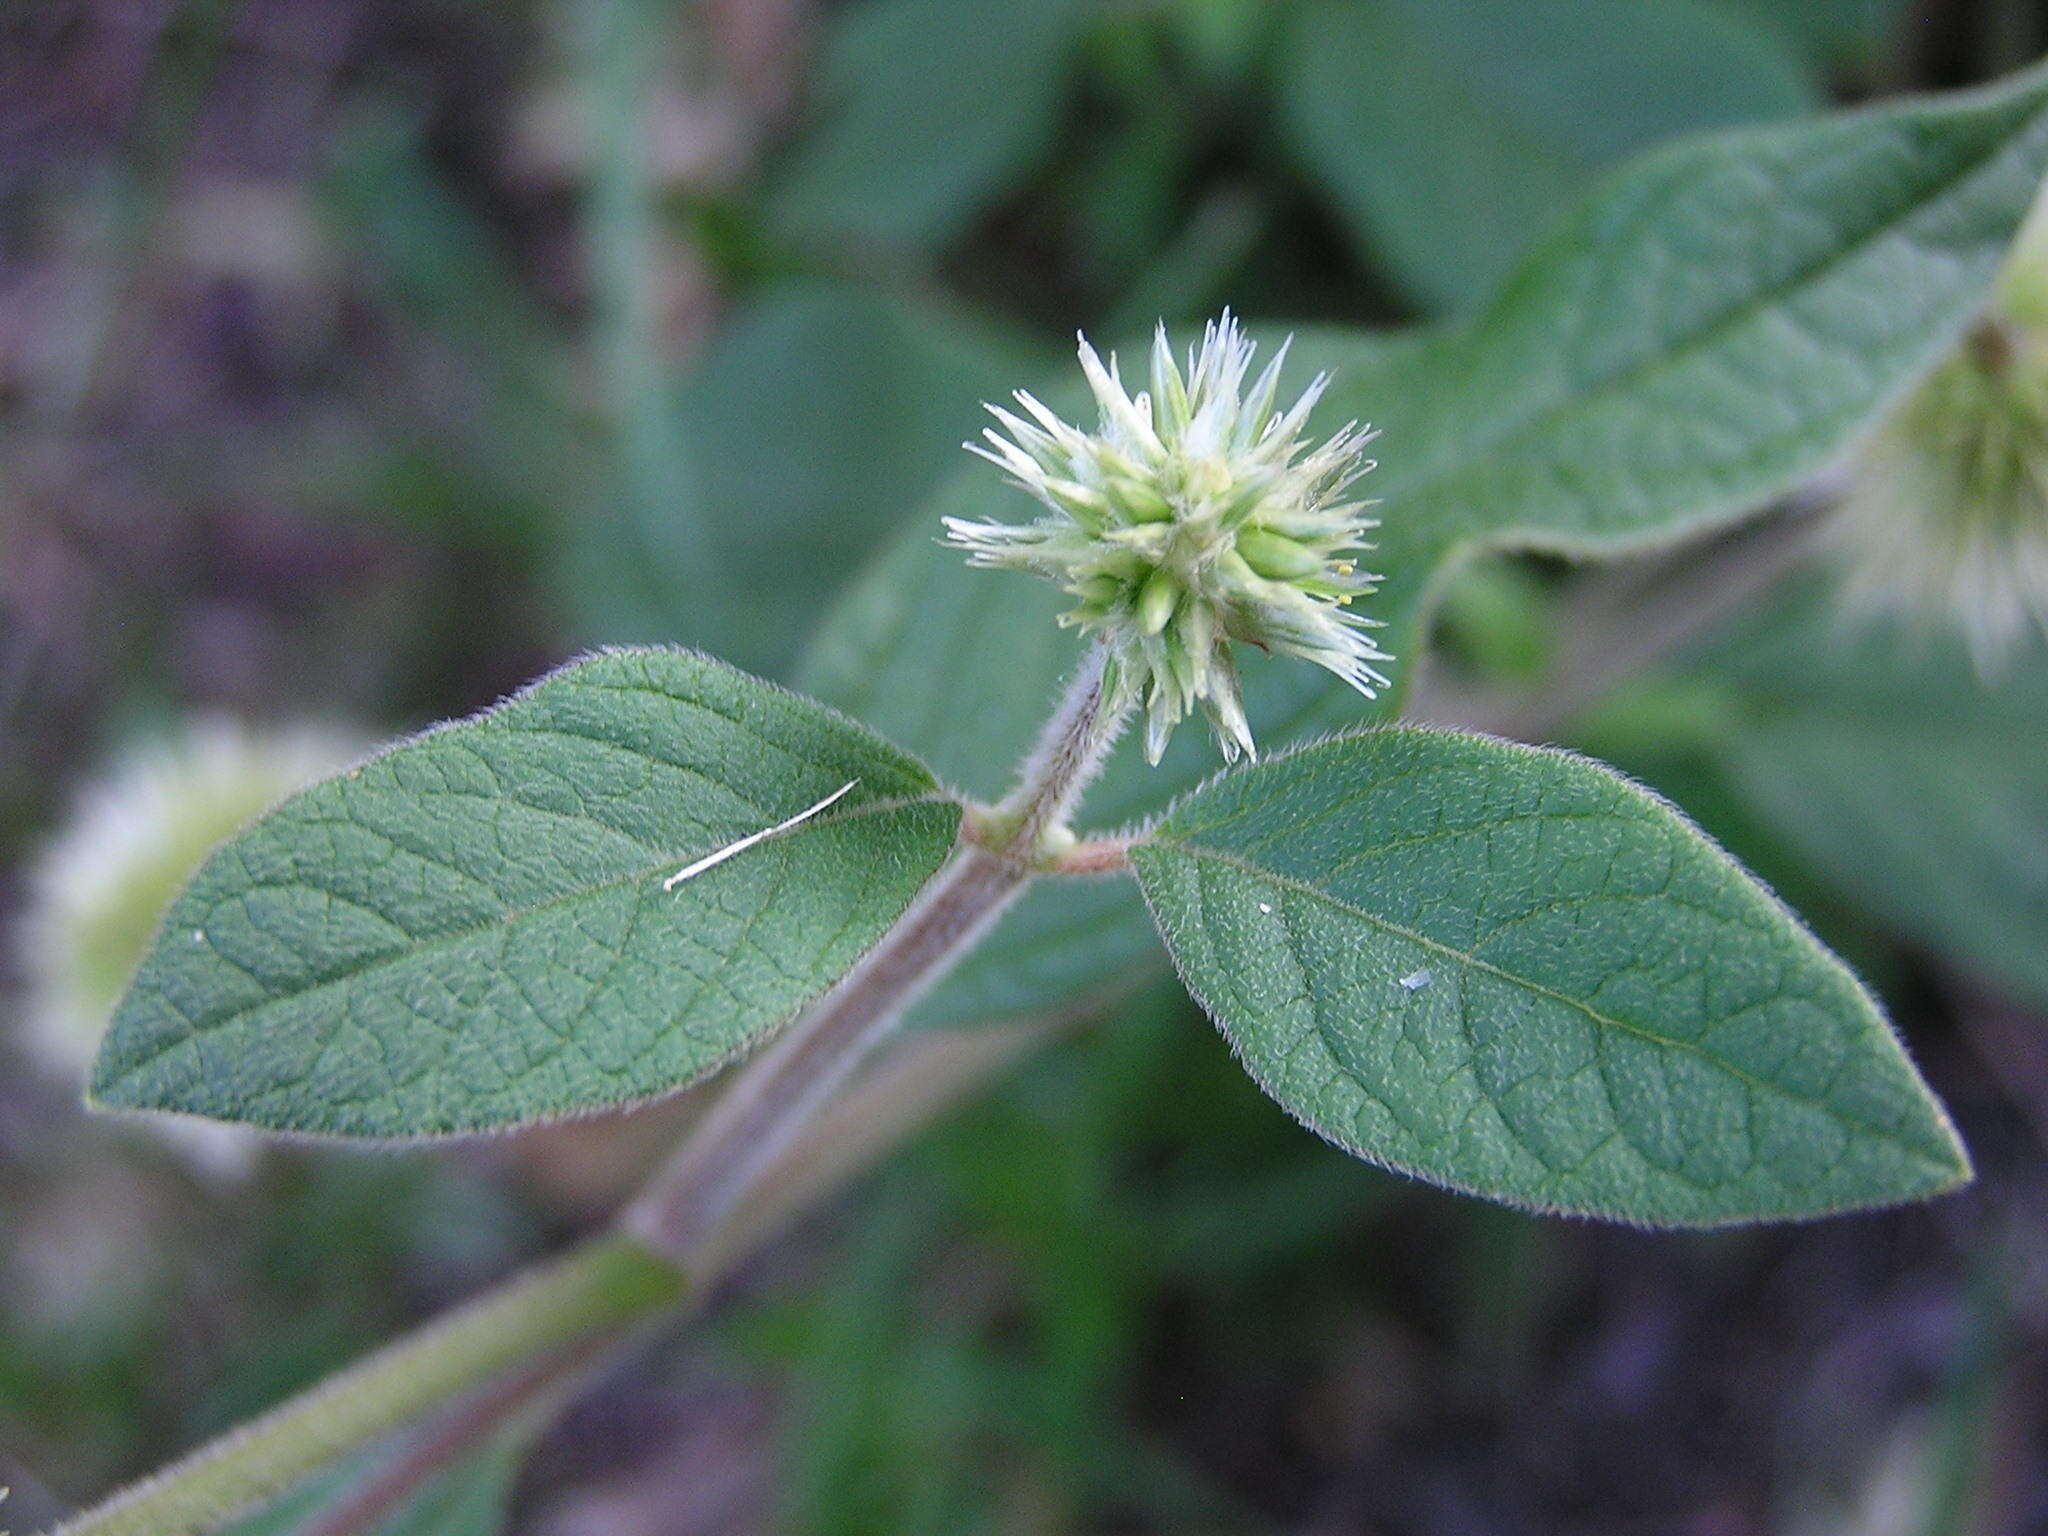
359,359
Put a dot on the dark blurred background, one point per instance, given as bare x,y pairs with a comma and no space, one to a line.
361,358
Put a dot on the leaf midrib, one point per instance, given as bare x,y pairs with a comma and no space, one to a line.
1464,957
1515,431
454,937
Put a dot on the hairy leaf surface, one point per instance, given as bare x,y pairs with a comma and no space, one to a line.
1510,971
471,931
931,108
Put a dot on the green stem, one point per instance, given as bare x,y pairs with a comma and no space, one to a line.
1069,753
597,1290
532,1394
901,1092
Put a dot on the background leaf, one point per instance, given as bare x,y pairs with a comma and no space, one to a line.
1829,32
930,108
1910,782
470,930
514,442
1449,132
1510,971
661,551
817,415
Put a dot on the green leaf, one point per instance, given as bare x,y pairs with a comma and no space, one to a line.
514,442
931,108
1449,132
471,931
1714,326
1916,786
817,416
1510,971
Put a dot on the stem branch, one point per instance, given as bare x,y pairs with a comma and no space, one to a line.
1628,618
753,1123
775,1098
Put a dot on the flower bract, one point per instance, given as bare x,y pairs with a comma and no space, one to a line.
1195,514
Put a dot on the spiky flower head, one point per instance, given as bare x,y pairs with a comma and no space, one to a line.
1193,515
1945,520
137,834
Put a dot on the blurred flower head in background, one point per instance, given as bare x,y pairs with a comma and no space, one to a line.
1945,522
1195,514
135,835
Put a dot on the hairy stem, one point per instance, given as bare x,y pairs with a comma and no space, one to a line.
780,1093
912,1083
753,1123
592,1293
909,1083
1070,752
1096,856
527,1393
1626,619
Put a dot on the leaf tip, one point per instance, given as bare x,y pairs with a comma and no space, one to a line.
1958,1171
